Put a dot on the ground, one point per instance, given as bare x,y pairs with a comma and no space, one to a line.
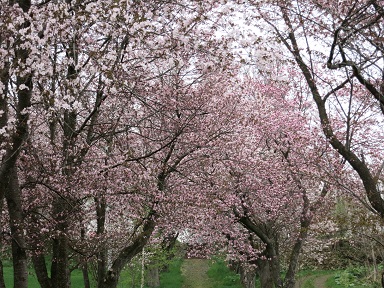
195,273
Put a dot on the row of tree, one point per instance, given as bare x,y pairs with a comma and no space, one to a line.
124,123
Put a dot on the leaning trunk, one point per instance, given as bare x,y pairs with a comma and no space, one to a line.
41,270
125,256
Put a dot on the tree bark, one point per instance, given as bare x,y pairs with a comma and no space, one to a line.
9,186
60,261
265,275
2,283
62,204
41,271
102,254
19,255
4,78
248,277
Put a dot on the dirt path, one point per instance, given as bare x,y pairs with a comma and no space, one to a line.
318,281
195,273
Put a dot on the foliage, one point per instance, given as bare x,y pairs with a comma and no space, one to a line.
356,277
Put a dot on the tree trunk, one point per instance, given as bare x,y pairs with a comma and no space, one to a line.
2,283
265,274
41,271
248,277
269,268
153,277
168,244
60,261
60,268
8,169
112,276
84,269
103,253
19,255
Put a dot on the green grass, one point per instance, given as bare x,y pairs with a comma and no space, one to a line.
172,278
76,278
168,279
310,275
222,276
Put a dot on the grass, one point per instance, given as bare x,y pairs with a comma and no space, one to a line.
222,276
170,279
355,277
173,277
310,275
76,278
131,277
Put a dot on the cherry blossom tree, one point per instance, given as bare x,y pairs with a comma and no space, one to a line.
265,187
276,204
342,94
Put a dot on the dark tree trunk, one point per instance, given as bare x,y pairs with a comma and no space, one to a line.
41,271
60,258
2,283
103,253
84,265
60,263
9,182
265,274
19,255
84,269
269,272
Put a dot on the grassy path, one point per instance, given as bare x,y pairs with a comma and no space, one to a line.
195,273
318,281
